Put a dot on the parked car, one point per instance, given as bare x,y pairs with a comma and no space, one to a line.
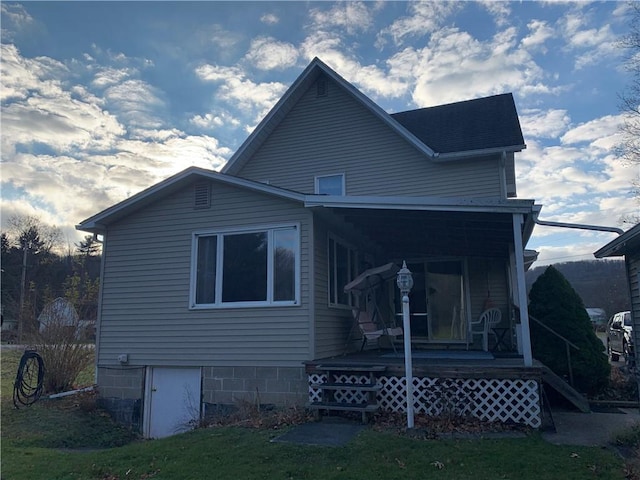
620,336
598,319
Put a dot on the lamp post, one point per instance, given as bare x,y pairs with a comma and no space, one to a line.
404,281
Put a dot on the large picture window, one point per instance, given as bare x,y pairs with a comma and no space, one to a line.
343,262
256,267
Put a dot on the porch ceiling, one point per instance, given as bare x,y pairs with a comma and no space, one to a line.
414,233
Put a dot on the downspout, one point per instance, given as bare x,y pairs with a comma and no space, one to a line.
102,241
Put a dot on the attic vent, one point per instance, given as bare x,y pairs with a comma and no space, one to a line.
321,87
202,195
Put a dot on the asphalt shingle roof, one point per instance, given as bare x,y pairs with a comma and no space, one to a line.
489,122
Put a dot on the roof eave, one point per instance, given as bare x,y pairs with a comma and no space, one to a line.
99,222
422,203
451,156
617,247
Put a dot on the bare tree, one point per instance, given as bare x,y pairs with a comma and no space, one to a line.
629,147
33,237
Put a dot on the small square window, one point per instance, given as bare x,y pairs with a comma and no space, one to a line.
330,185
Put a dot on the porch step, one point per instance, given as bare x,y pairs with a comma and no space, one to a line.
347,407
361,387
566,390
352,368
329,388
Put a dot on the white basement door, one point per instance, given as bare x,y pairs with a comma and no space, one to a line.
173,400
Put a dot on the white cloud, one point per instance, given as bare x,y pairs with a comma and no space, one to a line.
138,102
595,132
540,32
210,121
111,76
15,19
595,43
455,66
499,10
269,19
65,156
544,123
22,77
238,90
423,18
266,53
352,17
370,78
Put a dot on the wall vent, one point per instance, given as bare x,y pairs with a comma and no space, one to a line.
202,195
322,87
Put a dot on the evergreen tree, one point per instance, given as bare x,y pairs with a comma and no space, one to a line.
555,303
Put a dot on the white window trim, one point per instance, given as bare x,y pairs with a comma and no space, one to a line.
319,177
332,273
219,268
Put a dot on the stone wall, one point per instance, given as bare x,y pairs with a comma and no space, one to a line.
121,393
281,386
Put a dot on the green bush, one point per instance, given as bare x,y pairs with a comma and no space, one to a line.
555,303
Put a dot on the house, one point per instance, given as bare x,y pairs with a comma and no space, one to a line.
222,287
59,313
628,245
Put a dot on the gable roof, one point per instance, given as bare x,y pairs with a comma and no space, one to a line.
473,125
97,223
624,244
445,121
314,70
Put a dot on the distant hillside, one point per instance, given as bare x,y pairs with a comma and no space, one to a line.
600,283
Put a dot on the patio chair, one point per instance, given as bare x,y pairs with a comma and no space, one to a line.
488,320
370,331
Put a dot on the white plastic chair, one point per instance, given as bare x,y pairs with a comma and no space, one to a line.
489,319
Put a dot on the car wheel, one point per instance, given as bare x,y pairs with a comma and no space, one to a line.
613,357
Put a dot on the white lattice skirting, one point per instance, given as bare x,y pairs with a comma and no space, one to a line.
492,400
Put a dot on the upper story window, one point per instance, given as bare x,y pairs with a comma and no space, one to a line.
246,268
330,184
343,267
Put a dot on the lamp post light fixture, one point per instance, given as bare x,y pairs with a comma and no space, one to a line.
404,281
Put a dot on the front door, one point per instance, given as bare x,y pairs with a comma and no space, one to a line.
437,301
172,401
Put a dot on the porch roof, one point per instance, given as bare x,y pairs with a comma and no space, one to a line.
406,228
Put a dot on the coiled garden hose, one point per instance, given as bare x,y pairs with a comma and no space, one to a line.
29,383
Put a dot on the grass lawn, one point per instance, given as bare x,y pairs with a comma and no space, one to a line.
69,439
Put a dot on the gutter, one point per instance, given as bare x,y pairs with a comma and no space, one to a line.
578,226
437,156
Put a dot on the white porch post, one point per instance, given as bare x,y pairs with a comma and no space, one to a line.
405,282
522,289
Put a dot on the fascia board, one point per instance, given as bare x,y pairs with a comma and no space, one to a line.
616,247
417,203
451,156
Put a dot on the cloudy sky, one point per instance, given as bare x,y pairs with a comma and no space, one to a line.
101,100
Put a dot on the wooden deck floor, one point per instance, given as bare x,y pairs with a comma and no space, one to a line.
438,363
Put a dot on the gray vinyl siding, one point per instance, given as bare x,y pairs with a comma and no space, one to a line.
332,324
336,134
488,279
145,305
632,262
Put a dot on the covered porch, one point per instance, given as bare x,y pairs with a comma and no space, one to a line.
465,255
